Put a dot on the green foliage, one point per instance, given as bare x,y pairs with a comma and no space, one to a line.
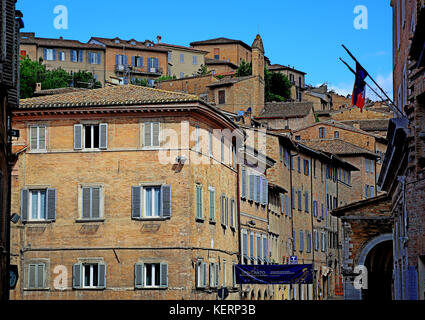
219,76
32,72
140,82
244,69
203,70
167,77
277,86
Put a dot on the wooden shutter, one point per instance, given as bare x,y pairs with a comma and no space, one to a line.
103,135
163,275
222,208
34,138
24,204
243,183
78,136
216,274
204,274
166,201
147,134
41,137
265,192
77,275
282,203
102,275
86,199
251,187
51,204
138,275
136,201
288,209
80,56
95,198
99,57
155,134
212,204
258,189
301,241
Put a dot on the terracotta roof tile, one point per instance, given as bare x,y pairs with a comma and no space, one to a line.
115,95
286,109
337,146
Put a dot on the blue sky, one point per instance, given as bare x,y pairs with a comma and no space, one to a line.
305,34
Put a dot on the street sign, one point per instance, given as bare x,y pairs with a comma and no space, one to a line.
293,260
274,274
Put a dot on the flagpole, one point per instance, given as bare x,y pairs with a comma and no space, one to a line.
382,99
351,55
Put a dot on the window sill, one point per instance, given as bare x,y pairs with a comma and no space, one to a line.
233,229
200,220
224,226
151,148
151,288
89,220
38,221
36,289
151,219
212,222
90,289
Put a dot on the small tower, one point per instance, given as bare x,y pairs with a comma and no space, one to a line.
258,57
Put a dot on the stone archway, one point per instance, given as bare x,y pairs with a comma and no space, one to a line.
377,257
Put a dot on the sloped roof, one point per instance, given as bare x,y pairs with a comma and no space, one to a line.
29,38
221,40
107,96
229,81
282,67
338,147
209,61
179,47
286,109
127,43
369,125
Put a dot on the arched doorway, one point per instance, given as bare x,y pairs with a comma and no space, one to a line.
379,264
377,257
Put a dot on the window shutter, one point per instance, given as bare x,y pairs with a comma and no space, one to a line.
103,136
136,200
78,136
147,134
95,199
133,61
258,187
288,205
293,198
117,59
212,205
306,201
251,187
163,275
216,274
227,211
138,275
90,56
51,204
33,138
24,204
102,276
141,62
80,56
166,201
77,275
41,138
282,203
243,187
45,54
265,191
204,274
99,57
86,208
155,134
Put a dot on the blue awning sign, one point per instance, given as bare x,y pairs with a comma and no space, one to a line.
274,274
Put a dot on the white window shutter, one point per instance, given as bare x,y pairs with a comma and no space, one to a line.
163,275
102,275
78,136
103,136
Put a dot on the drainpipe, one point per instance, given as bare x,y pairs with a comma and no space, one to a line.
292,203
238,204
312,228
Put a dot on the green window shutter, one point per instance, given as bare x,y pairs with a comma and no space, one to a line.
136,201
212,205
78,136
51,204
138,275
198,201
147,134
166,201
216,274
103,136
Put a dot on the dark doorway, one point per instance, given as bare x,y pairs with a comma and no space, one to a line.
379,264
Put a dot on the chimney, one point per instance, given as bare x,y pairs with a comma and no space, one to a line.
60,38
38,87
158,39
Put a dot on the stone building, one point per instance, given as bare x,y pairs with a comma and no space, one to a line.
127,60
124,193
10,24
295,77
69,55
220,67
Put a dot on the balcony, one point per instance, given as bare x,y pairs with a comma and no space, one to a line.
120,68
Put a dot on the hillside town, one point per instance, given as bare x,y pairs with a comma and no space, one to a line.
175,165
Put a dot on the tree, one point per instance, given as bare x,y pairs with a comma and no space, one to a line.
140,82
203,70
244,69
167,77
30,73
84,79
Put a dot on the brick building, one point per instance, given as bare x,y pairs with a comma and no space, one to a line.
108,207
295,77
126,60
69,55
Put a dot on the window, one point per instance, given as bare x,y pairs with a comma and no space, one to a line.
336,134
251,246
201,274
92,199
49,54
151,134
299,164
259,257
301,241
181,75
371,163
221,97
137,61
243,182
195,60
372,191
323,238
306,167
232,213
298,138
294,239
38,138
316,240
366,191
306,201
150,201
76,56
212,203
90,136
38,205
197,138
265,249
321,132
214,273
367,165
285,157
199,202
94,58
61,55
244,247
224,273
181,58
216,53
210,143
222,149
299,200
89,275
36,276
